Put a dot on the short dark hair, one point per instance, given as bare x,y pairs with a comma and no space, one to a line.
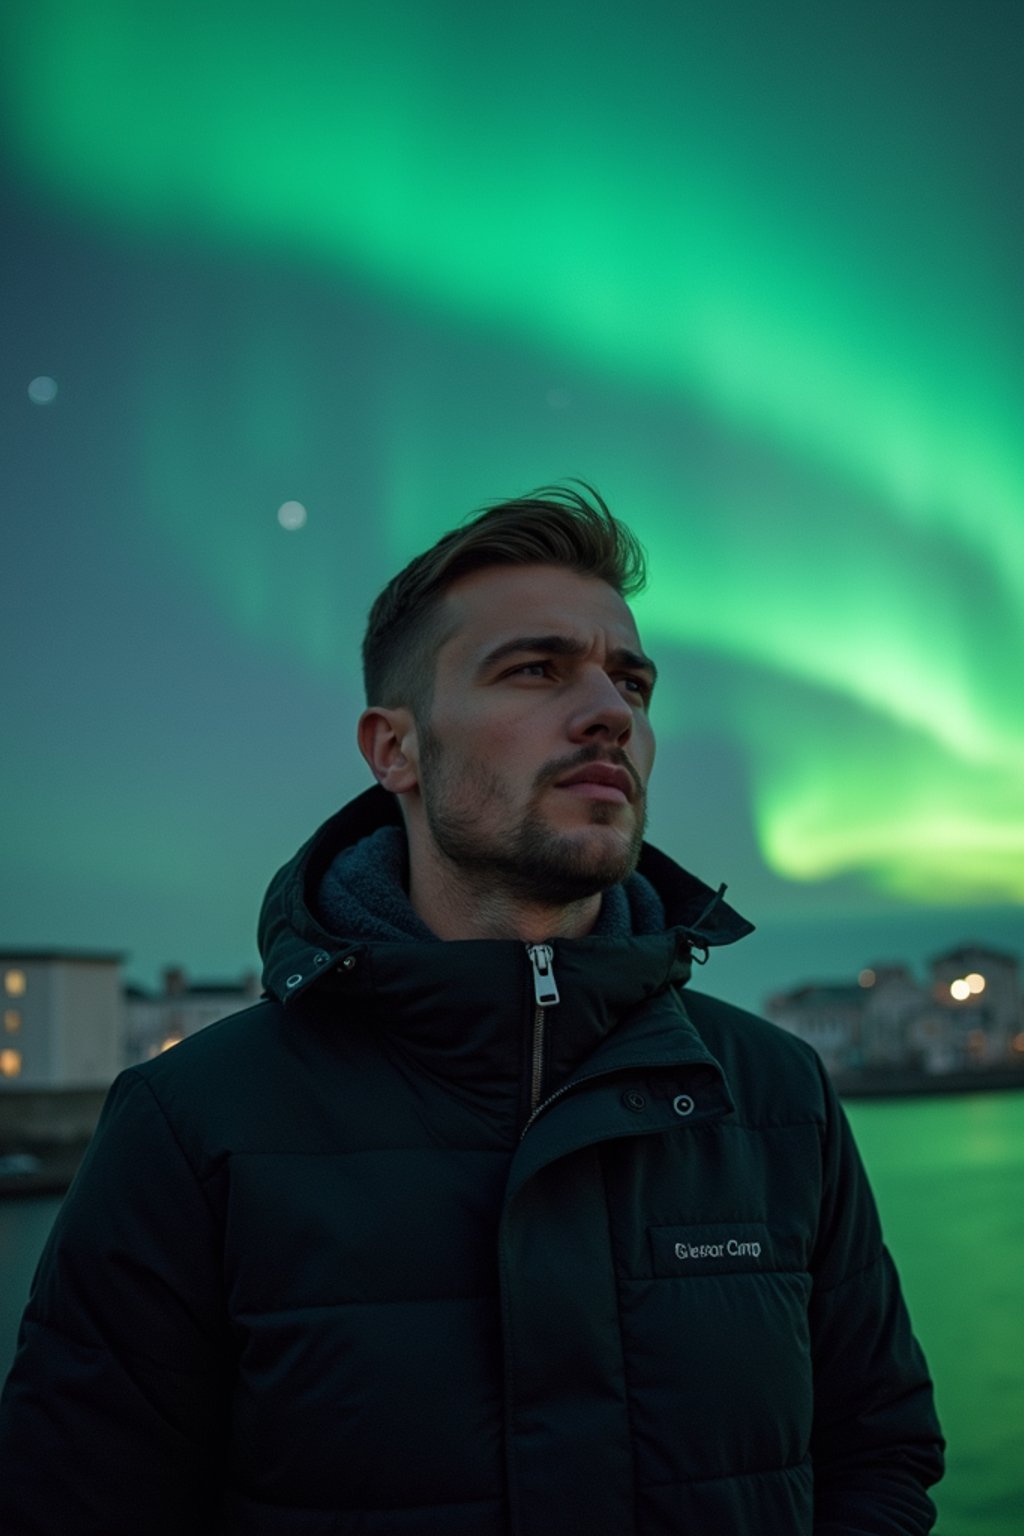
555,525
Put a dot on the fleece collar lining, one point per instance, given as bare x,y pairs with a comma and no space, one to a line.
363,895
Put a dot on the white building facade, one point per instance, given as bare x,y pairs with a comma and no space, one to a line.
63,1019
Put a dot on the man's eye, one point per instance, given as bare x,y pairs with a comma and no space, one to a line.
638,685
530,669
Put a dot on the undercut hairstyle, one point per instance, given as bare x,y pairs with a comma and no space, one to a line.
552,526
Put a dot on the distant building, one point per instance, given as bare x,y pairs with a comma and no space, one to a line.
63,1019
891,1001
70,1023
69,1027
828,1015
978,991
966,1018
158,1020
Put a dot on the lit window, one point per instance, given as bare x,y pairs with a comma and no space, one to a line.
959,989
10,1063
867,977
12,1021
15,983
975,982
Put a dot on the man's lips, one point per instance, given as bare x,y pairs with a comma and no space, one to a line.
600,781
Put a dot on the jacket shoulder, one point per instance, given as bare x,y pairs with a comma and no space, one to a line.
224,1043
216,1087
275,1077
774,1075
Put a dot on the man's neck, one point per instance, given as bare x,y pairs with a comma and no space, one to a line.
456,908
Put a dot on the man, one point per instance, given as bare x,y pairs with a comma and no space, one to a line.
476,1225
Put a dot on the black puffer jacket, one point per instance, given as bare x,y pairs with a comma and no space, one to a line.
316,1277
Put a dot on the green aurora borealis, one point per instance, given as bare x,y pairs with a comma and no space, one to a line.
755,271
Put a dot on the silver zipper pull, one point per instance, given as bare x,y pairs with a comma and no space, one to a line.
544,990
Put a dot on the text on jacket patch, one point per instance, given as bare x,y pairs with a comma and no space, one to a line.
704,1248
732,1248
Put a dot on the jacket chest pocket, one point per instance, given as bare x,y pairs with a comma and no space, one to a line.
719,1339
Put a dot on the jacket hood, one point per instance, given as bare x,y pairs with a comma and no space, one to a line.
297,948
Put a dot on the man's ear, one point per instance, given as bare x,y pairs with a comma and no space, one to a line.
387,740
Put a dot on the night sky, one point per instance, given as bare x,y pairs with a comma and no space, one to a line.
756,272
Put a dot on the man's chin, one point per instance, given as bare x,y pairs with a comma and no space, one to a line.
566,867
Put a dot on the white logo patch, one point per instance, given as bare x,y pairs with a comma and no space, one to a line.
734,1249
716,1248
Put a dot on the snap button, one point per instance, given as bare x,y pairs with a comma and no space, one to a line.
682,1104
293,981
634,1100
347,964
320,957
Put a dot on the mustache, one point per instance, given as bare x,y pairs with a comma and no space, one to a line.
614,756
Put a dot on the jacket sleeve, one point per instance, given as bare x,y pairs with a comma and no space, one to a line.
113,1417
876,1444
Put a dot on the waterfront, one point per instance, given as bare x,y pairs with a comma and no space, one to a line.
949,1174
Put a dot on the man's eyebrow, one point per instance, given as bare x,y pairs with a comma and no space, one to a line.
635,661
562,645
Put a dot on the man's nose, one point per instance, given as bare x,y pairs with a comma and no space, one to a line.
601,710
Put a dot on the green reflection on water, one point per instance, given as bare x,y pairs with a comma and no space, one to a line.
948,1174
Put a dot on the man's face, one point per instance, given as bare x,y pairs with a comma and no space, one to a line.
533,765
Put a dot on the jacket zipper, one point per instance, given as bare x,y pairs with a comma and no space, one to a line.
545,995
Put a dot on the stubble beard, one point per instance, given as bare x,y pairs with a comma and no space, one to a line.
531,862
